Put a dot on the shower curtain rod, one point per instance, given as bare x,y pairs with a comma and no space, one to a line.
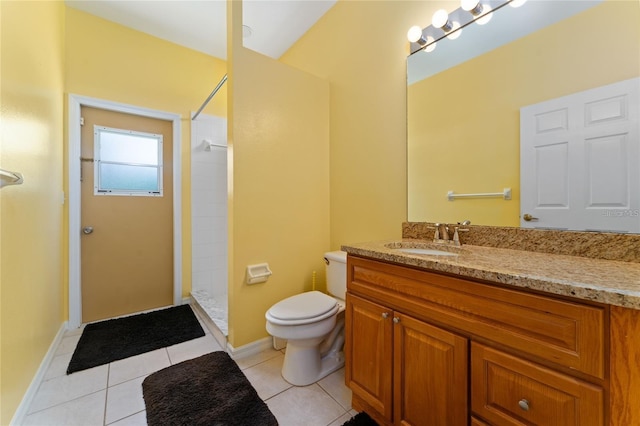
224,79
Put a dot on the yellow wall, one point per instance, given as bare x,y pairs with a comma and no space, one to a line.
108,61
279,204
31,215
361,48
464,122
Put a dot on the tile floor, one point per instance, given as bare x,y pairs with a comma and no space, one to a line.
112,394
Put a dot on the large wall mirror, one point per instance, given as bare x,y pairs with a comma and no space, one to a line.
464,106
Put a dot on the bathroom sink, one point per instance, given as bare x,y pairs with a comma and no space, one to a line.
424,248
430,252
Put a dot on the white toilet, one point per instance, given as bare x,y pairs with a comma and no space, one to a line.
313,325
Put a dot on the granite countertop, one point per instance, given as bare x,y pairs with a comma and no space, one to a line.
606,281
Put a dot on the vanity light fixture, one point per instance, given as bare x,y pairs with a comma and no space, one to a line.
481,12
441,20
415,35
450,25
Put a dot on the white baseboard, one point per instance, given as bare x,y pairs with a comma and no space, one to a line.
27,399
250,348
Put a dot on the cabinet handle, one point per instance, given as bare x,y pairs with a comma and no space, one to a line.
524,404
396,320
385,315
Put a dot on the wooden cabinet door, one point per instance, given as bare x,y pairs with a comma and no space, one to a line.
507,391
369,352
430,374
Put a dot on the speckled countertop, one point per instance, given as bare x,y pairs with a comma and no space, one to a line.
606,281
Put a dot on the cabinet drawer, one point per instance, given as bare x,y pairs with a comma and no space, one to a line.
566,333
509,391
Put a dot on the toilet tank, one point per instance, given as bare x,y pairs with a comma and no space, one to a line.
336,273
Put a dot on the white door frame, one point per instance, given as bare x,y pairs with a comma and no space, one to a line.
75,103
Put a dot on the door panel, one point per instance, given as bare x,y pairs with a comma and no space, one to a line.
579,160
127,259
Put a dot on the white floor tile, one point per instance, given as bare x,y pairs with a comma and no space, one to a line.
68,344
124,399
305,406
69,387
341,420
138,419
75,331
85,411
58,366
256,359
193,348
137,366
334,385
266,377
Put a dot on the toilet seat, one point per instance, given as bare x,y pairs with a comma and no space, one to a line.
303,308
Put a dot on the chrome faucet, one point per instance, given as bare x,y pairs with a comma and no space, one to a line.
444,232
441,234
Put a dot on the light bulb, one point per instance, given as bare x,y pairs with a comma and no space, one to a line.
455,31
441,20
469,5
414,34
487,15
517,3
431,45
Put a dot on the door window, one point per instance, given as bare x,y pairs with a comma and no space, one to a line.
127,162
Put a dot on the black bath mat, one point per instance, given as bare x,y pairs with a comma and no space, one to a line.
208,390
360,419
111,340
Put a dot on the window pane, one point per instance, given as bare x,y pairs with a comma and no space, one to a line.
128,148
132,178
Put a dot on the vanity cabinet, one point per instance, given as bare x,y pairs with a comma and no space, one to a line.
424,348
388,355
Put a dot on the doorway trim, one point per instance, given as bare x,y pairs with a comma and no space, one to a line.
75,102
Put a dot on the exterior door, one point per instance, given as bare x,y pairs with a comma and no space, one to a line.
579,158
126,214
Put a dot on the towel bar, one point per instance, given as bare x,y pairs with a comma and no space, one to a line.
506,194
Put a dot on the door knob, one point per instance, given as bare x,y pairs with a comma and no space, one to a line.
396,320
385,315
87,230
528,218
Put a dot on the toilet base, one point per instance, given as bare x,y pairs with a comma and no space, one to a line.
304,365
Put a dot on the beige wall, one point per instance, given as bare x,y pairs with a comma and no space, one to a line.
108,61
480,136
279,201
31,215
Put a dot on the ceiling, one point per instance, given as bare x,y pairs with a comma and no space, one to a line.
275,25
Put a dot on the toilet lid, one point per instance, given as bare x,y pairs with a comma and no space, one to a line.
307,305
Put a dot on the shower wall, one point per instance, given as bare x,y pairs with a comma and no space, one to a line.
209,217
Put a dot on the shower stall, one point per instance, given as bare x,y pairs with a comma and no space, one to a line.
209,269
